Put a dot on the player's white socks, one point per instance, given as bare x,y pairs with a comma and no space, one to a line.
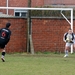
2,56
66,53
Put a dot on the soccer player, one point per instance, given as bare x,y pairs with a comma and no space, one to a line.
68,38
4,39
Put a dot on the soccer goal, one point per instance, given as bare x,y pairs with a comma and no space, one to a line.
49,13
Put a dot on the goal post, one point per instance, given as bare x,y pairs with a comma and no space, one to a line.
60,9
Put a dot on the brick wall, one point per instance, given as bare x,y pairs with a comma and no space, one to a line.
66,2
18,38
21,3
47,34
24,3
18,3
37,3
2,3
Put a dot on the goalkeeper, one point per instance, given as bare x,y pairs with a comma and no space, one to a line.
68,38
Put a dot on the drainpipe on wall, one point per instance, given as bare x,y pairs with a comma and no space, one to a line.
7,6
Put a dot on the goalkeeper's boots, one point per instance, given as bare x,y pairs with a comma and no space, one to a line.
3,59
66,55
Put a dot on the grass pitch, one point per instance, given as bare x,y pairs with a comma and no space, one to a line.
45,64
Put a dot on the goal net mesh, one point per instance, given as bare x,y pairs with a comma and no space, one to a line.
48,28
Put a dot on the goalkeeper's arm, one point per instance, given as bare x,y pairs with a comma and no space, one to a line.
64,37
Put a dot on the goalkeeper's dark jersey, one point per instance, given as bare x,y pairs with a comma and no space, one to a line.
5,35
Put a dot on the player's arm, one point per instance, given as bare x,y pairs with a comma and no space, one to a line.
0,30
64,37
72,38
8,39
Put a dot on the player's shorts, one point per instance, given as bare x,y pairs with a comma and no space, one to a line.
2,43
69,44
2,46
74,41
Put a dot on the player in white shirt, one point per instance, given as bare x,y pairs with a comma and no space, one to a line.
69,39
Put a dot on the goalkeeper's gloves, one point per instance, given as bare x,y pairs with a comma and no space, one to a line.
69,41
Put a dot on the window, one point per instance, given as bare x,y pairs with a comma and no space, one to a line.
20,13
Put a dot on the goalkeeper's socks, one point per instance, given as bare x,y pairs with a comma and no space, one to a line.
66,52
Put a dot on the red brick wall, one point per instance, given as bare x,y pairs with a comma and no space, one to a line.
37,3
21,3
2,3
18,38
24,3
66,2
18,3
47,34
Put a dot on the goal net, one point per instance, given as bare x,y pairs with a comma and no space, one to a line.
47,27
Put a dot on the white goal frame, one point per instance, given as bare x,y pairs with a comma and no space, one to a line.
61,9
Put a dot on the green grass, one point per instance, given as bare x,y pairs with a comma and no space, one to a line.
39,64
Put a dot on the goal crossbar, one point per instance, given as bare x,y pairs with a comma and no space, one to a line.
36,8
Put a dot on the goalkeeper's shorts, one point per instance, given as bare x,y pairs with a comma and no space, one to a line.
69,44
74,41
